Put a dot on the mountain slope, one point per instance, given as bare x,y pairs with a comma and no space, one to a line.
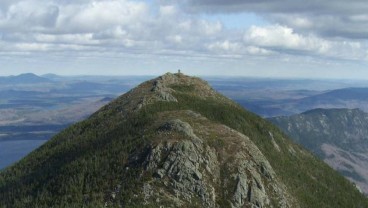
174,142
338,136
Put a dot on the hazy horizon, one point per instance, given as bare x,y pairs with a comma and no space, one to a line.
199,75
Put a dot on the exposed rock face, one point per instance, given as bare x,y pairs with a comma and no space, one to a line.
179,126
189,171
162,91
274,142
181,169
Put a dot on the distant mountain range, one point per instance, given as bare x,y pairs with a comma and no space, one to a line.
302,100
27,78
340,98
338,136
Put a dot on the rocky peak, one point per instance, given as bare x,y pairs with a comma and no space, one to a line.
163,89
182,82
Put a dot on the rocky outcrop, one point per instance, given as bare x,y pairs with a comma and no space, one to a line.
162,89
179,126
189,171
181,164
159,89
162,92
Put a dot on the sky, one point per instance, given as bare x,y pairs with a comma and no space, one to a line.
252,38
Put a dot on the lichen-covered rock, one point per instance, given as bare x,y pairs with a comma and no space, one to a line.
179,126
162,92
160,89
182,165
188,171
241,191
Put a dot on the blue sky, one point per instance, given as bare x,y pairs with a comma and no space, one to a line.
280,38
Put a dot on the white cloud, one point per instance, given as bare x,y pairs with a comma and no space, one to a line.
237,49
224,46
120,25
120,28
95,16
337,18
82,39
115,26
113,33
325,25
28,15
254,50
209,28
283,39
176,39
168,10
73,17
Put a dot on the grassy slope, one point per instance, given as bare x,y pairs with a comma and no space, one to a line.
85,161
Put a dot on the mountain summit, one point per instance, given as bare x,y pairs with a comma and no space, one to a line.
174,142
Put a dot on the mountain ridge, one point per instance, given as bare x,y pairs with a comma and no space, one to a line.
26,78
338,136
173,141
